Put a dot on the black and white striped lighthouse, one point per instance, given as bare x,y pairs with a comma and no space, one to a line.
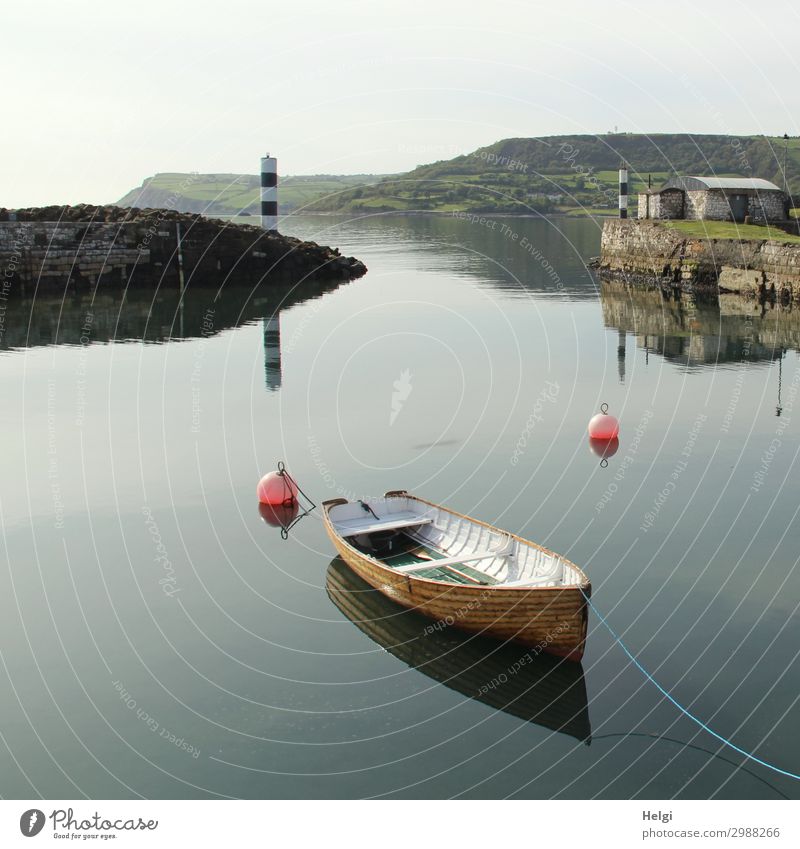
623,190
269,192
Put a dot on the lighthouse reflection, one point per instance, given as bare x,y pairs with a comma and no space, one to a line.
272,350
542,690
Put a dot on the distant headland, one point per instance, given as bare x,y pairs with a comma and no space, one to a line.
573,175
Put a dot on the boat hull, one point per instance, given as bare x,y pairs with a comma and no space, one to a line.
543,690
546,619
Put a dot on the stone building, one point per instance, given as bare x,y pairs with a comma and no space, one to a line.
716,199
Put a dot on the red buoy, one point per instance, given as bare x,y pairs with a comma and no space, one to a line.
603,426
279,516
277,488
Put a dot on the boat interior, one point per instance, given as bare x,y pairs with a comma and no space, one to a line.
426,541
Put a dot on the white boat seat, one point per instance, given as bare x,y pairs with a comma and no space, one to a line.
451,561
370,525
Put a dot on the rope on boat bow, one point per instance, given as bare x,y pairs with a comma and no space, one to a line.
685,711
368,509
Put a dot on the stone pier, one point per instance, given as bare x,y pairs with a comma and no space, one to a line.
84,247
649,254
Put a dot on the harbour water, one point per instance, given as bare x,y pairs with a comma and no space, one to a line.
159,639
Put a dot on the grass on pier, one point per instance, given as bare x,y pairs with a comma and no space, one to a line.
729,230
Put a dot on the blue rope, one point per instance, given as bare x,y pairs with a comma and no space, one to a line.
678,705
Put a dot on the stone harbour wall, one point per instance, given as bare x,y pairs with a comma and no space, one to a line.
81,247
37,251
652,255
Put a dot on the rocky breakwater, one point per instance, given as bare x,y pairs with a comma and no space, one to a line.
649,254
85,247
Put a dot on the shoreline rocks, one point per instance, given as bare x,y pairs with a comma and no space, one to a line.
110,246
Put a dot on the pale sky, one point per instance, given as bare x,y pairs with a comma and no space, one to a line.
98,96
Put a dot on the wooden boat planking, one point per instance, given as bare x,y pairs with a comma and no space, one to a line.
545,619
547,691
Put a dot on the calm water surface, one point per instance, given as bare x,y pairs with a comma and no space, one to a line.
160,640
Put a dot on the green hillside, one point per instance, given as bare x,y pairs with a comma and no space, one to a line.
571,174
234,194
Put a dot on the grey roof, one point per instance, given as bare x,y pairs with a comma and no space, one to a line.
693,184
664,188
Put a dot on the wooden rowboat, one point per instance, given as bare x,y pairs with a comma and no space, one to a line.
544,691
462,572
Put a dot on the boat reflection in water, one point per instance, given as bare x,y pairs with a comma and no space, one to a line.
541,689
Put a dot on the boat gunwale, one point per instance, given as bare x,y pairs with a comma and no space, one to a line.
583,585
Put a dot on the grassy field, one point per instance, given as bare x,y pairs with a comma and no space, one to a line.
729,230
